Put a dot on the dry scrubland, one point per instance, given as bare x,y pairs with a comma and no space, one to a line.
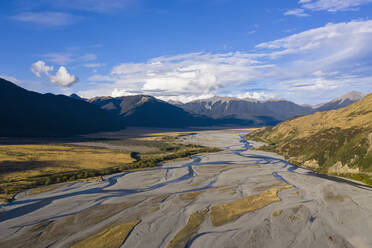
29,165
334,142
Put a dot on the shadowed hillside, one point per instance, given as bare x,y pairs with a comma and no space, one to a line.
27,113
147,111
260,112
336,142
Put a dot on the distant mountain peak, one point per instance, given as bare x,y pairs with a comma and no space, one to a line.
144,99
275,100
215,99
175,102
76,96
352,96
227,99
99,98
340,102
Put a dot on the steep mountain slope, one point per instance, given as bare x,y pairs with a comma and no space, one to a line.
340,102
77,97
337,141
261,112
142,110
27,113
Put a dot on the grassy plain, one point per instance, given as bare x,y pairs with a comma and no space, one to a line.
29,163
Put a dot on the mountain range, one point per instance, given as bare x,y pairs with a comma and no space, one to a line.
268,112
148,111
27,113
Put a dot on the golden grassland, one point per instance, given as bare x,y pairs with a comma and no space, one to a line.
226,213
110,237
16,160
21,164
192,226
24,166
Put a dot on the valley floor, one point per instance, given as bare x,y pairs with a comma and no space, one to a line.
233,198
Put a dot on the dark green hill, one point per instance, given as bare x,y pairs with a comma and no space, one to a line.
27,113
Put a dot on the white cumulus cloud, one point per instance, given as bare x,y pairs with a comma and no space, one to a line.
296,12
62,76
333,5
46,18
261,95
39,68
93,5
186,74
336,56
326,5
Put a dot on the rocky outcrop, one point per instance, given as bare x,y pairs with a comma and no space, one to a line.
369,142
312,164
339,168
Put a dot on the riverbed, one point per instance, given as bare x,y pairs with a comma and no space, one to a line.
307,209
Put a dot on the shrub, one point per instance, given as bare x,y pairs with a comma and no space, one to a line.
135,155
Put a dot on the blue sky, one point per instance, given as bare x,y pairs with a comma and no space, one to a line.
307,51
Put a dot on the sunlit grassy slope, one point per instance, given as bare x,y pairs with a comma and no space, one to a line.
336,142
